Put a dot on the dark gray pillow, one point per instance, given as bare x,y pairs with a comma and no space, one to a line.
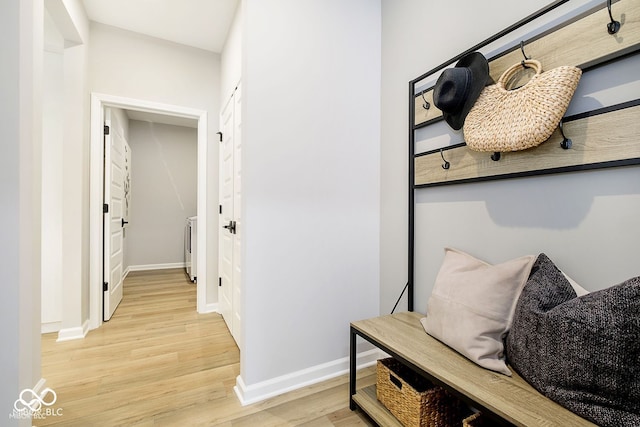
582,352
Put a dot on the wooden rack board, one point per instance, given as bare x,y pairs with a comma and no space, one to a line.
599,140
582,43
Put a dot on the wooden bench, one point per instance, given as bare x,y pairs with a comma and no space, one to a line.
508,400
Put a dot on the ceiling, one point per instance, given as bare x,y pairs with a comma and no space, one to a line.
198,23
202,24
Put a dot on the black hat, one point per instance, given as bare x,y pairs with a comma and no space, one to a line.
458,88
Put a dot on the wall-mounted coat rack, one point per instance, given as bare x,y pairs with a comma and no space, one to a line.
604,137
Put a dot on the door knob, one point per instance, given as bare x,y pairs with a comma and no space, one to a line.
124,222
231,227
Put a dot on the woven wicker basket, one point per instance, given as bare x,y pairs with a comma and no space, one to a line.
504,119
415,401
477,420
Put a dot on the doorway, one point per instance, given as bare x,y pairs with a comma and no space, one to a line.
98,104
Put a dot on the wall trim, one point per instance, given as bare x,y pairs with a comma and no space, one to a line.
146,267
211,307
79,332
253,393
49,327
39,386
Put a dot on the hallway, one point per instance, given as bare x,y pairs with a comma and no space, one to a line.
159,362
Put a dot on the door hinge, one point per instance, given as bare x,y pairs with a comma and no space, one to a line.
220,135
105,286
106,130
105,208
219,281
220,209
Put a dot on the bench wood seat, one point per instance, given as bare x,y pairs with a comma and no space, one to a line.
510,399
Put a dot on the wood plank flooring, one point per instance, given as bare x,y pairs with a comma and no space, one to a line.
158,362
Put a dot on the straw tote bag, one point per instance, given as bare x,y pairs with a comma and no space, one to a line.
504,119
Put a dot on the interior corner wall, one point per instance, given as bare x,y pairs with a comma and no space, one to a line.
30,179
584,221
163,192
52,170
10,187
71,20
10,191
166,73
21,35
311,115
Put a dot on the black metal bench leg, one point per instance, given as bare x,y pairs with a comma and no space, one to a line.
352,369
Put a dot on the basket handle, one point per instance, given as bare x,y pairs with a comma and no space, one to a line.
395,381
511,71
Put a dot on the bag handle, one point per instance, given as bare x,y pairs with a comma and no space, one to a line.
515,68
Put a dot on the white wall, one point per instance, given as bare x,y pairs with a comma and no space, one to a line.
52,167
139,67
311,114
163,192
71,21
583,221
21,36
231,57
65,175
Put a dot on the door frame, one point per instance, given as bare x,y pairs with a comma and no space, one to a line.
98,102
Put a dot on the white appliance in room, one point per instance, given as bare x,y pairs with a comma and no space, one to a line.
190,247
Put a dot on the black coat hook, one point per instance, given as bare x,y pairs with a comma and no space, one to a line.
445,165
613,26
495,156
566,142
426,104
524,54
522,50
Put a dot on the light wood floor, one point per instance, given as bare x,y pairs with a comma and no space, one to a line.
159,362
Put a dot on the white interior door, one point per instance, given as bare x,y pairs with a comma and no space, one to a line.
116,173
237,214
229,264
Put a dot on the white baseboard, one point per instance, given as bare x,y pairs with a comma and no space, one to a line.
37,389
26,399
212,307
76,333
145,267
253,393
49,327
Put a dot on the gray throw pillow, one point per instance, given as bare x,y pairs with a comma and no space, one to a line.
582,352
